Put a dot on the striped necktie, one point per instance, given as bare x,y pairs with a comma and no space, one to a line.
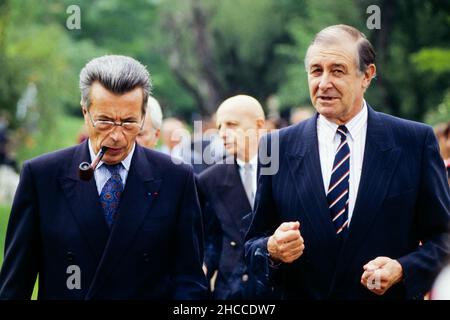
337,195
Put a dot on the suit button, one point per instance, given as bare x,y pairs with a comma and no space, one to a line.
146,257
70,256
233,244
245,277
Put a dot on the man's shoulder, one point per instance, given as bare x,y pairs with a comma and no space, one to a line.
164,162
401,122
403,127
215,172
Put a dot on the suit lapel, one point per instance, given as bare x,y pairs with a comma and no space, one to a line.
141,190
380,161
82,197
304,165
233,195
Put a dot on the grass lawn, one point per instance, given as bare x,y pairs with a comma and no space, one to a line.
4,214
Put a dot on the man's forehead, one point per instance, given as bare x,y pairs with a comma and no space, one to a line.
343,54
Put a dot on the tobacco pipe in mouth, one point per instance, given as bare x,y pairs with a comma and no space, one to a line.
86,169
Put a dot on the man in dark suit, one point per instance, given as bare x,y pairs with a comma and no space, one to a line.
356,190
227,192
132,232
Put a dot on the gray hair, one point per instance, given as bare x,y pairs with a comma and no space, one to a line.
118,74
154,112
331,34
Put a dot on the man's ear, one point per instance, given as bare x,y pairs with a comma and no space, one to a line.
369,74
260,123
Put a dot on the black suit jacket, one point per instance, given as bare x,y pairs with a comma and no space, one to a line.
227,214
154,250
403,199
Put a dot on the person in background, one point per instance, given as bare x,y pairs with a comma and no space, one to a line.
227,193
442,132
173,135
299,114
149,135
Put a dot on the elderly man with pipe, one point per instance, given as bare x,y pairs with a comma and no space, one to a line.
132,231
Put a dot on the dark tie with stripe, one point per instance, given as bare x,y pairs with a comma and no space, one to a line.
111,192
338,190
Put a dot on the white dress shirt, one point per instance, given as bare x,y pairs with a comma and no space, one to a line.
329,141
253,168
102,175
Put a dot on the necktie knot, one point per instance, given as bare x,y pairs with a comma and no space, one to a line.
114,169
342,131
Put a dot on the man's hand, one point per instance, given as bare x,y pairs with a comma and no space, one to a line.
286,244
380,274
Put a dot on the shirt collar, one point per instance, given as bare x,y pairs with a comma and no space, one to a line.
125,162
354,126
253,161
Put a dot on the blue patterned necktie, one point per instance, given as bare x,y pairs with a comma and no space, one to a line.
111,192
337,195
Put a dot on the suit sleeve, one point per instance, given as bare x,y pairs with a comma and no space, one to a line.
433,222
22,256
213,231
264,223
189,279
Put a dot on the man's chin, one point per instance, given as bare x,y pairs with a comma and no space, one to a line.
113,159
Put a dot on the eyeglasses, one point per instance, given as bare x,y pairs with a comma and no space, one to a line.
130,127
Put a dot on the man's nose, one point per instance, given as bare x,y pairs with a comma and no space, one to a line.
116,133
222,133
325,81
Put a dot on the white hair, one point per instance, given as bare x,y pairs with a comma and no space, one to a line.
154,112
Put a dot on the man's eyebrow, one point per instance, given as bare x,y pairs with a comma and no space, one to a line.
339,65
315,65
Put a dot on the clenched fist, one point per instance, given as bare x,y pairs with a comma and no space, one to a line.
286,244
380,274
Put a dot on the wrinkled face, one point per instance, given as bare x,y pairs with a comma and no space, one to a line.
238,131
108,106
148,136
336,86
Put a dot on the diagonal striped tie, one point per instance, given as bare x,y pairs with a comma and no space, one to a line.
338,190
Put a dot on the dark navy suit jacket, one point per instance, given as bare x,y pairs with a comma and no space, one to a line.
227,215
403,198
153,251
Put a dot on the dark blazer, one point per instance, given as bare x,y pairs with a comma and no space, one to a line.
227,215
153,251
403,198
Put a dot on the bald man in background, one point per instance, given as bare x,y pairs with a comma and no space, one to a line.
227,193
149,135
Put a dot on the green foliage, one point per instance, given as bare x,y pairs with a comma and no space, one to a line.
64,133
246,46
435,60
441,114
